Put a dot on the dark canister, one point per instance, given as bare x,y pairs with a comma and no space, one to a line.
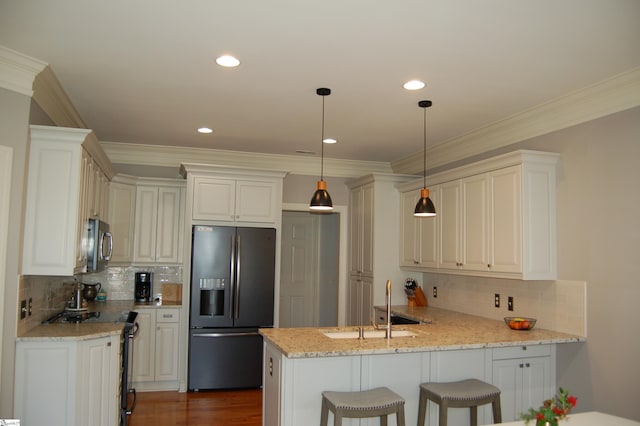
143,285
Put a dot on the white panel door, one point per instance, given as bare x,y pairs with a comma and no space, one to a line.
475,235
449,218
505,219
298,272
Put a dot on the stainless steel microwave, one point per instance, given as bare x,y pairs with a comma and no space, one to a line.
99,245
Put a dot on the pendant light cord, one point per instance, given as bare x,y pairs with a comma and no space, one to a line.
424,152
322,144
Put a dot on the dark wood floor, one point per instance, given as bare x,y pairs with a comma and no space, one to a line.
210,408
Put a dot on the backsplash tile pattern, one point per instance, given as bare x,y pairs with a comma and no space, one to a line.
50,294
557,305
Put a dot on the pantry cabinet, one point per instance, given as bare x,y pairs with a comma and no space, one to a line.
373,244
158,222
66,383
525,375
495,218
67,185
155,357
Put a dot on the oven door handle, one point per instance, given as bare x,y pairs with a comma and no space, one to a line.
135,329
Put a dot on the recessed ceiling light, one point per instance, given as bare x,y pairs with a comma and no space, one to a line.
413,85
227,61
329,140
205,130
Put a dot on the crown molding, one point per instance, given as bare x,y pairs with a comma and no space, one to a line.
172,156
618,93
54,101
18,71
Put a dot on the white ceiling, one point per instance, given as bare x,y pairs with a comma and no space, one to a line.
143,71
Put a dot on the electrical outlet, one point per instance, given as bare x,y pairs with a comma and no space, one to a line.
510,303
23,309
435,291
30,307
496,300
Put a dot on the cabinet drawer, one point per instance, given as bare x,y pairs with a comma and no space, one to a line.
522,351
168,315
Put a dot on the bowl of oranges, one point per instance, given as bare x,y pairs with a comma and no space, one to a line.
520,323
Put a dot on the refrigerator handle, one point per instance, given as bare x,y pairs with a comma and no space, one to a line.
232,302
236,309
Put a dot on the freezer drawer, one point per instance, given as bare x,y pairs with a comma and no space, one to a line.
225,359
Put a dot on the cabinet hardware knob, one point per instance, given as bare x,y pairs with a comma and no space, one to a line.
528,365
108,343
270,366
524,348
521,365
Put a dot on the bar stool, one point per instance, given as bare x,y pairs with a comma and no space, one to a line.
371,403
466,393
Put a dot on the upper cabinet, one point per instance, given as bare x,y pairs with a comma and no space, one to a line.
234,195
159,221
122,209
495,218
67,185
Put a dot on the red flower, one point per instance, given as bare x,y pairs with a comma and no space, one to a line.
540,416
558,411
572,400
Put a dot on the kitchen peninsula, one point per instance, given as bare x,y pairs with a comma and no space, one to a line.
300,363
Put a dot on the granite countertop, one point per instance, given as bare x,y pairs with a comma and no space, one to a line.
447,330
90,330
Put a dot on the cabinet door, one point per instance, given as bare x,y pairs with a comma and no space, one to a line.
366,304
144,347
366,215
505,219
355,299
536,382
97,397
475,230
121,220
166,351
146,224
428,235
271,387
256,201
169,225
214,199
410,254
355,231
449,218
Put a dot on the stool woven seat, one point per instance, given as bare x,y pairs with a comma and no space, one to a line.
371,403
463,394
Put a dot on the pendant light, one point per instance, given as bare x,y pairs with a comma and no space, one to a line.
425,206
321,201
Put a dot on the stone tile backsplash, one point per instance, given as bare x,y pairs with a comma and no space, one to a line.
557,305
49,295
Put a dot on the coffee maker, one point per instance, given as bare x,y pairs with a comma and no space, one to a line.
144,282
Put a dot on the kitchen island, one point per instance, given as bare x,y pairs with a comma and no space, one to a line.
299,363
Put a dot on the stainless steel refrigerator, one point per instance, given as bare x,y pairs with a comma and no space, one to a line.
232,291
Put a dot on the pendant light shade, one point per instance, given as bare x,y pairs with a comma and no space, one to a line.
425,206
321,200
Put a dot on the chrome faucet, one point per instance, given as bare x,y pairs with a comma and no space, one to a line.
387,327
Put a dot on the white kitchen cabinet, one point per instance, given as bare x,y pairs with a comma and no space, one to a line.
360,300
495,218
418,245
526,377
271,386
373,244
236,200
60,191
158,222
155,355
122,208
66,383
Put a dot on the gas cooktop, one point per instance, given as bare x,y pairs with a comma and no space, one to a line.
86,316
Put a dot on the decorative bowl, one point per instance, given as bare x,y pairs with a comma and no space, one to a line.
520,323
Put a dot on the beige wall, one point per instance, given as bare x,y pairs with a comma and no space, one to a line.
14,125
598,197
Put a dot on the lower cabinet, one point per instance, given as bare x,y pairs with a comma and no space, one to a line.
68,382
293,386
155,354
526,376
